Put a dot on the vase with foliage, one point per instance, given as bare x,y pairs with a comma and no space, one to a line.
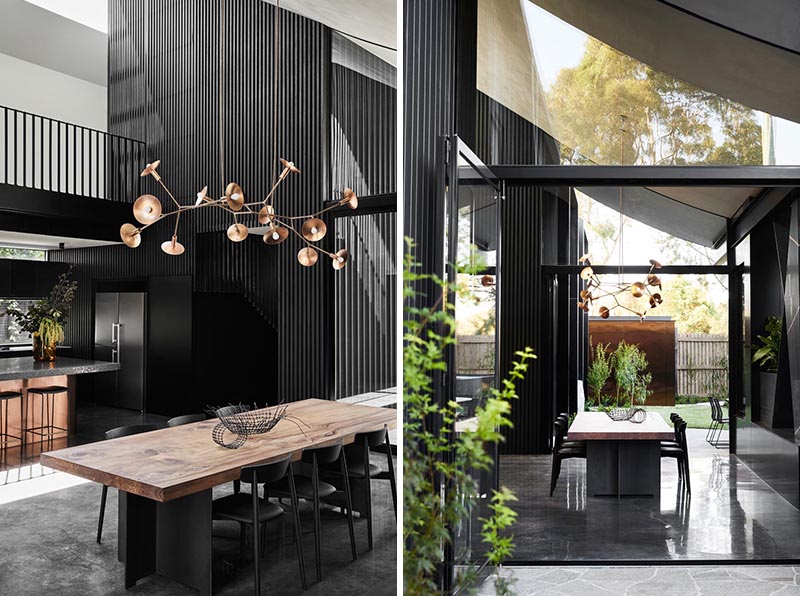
439,486
599,372
45,319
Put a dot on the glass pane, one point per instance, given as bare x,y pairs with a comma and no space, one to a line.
476,321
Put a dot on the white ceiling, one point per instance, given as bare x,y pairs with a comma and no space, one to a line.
34,34
375,20
39,242
696,214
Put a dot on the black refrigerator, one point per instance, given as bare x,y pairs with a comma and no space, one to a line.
119,336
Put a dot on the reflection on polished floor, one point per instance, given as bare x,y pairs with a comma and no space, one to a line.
731,515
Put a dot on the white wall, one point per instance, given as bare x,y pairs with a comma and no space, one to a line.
32,88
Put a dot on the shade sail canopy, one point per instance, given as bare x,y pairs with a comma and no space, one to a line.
696,214
743,63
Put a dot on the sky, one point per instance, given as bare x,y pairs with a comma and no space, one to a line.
558,45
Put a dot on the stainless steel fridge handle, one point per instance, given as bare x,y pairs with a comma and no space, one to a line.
114,355
115,333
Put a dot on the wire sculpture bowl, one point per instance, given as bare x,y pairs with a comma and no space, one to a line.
632,414
243,421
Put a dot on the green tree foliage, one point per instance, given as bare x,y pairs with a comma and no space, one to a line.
435,455
599,371
666,121
630,373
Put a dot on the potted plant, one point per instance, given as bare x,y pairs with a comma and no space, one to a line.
45,319
766,357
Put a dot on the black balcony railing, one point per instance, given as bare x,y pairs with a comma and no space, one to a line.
48,154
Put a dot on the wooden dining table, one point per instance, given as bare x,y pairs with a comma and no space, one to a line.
622,458
165,480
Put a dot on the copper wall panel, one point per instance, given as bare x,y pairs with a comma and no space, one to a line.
654,338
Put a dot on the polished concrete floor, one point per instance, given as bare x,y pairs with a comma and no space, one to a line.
747,580
48,539
732,514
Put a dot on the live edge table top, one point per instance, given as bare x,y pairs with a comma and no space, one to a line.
174,462
597,426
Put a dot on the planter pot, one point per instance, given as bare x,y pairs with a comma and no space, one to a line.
769,382
43,352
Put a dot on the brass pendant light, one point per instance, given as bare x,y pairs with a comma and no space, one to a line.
147,209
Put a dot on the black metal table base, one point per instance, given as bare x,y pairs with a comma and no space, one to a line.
172,539
623,468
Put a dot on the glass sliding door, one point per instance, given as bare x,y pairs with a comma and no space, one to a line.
472,218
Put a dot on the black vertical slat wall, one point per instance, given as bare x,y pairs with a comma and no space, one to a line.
429,112
164,68
531,237
363,123
530,225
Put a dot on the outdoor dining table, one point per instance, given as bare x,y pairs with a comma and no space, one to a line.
622,458
165,480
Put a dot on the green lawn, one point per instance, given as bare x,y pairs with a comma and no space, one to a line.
695,415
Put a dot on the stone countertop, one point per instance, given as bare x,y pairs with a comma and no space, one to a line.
26,367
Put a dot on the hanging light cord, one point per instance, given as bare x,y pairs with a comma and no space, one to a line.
221,78
275,107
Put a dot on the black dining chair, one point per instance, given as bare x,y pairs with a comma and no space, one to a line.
185,419
250,510
116,433
674,418
562,452
681,454
389,451
359,467
311,488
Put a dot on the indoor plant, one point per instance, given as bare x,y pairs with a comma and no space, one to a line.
766,357
45,319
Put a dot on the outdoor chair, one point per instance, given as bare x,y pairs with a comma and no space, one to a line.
718,420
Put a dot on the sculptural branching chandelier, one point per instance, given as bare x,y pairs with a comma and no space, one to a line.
597,289
148,210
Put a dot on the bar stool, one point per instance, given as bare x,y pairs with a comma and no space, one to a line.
5,397
47,396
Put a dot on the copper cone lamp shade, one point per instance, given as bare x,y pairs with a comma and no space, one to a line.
314,229
604,312
150,170
130,235
234,196
349,198
307,256
637,289
237,232
147,209
276,235
290,165
202,197
265,214
487,281
173,247
339,260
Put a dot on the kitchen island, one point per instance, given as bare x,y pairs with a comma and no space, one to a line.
23,373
